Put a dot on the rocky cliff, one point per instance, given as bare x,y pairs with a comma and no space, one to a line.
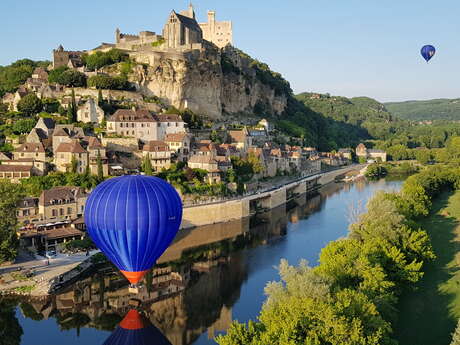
213,82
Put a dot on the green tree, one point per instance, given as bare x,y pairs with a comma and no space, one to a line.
375,171
23,126
109,83
73,165
100,99
100,59
72,78
453,149
10,195
456,335
424,156
54,76
72,110
30,104
100,169
147,166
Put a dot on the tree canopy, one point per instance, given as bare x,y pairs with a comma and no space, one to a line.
351,296
30,104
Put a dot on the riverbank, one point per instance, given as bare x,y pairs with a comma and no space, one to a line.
429,315
37,277
226,210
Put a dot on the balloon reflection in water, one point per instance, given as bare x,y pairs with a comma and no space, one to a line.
135,329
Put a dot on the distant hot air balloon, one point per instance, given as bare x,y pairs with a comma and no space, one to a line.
428,52
136,330
132,220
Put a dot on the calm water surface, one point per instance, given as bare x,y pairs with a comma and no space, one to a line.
209,277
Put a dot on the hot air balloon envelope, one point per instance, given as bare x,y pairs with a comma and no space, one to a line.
136,330
428,52
132,220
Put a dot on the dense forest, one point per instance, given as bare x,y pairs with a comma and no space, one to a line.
435,109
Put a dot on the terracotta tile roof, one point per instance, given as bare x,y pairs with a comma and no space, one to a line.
175,137
16,168
73,147
156,146
61,233
60,132
61,193
22,91
31,147
168,118
122,115
69,130
28,202
94,143
237,136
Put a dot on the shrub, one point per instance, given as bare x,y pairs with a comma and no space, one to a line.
101,59
109,83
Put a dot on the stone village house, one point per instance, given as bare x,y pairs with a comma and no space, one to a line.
143,125
159,154
67,152
90,112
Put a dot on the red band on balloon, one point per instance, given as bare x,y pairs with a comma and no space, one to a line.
132,321
134,277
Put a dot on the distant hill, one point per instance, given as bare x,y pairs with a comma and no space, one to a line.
435,109
365,117
354,111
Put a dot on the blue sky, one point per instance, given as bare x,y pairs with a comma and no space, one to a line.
350,48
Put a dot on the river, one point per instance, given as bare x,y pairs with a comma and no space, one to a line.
209,277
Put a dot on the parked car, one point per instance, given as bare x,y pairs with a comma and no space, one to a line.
50,254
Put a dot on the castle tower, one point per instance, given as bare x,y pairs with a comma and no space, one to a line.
190,12
211,17
218,32
117,35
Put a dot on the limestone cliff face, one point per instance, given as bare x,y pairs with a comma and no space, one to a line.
211,82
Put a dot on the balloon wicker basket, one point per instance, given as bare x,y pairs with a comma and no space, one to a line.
135,288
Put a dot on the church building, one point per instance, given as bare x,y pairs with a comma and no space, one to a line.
182,29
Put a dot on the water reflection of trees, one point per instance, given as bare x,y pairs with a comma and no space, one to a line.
10,329
183,298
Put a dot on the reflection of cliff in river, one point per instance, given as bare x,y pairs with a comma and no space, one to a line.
193,289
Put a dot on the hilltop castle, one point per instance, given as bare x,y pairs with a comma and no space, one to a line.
181,33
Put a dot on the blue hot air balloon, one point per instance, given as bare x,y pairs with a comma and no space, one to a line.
136,330
132,220
428,52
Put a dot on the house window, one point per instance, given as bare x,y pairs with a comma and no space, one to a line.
121,125
69,210
54,213
61,211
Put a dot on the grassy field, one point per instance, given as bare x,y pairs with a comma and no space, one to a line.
428,315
